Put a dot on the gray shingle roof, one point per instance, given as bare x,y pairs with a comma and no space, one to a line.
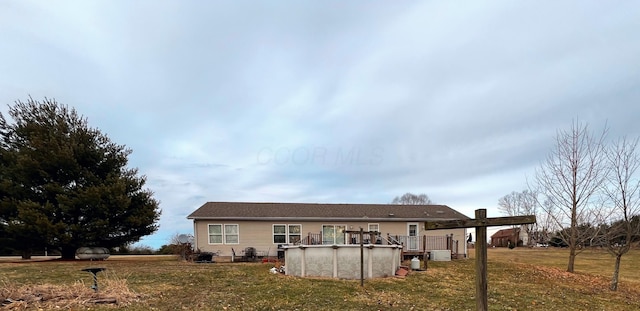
316,211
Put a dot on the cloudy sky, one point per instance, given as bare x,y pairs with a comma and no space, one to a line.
328,101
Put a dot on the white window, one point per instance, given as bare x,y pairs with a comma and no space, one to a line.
231,235
333,234
227,233
215,234
284,234
374,227
294,233
279,234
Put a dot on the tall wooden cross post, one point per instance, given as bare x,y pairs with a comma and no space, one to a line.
362,233
481,222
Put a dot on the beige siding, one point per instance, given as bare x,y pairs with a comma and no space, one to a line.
259,234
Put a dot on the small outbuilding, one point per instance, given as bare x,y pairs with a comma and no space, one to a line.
506,237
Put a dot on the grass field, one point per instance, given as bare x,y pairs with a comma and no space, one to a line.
595,262
519,279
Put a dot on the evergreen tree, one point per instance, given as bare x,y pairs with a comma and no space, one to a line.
65,185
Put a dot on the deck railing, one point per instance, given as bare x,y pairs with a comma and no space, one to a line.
314,238
410,244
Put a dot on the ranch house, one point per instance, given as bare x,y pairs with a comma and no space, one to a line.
236,231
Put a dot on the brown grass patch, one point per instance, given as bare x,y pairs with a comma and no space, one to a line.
112,291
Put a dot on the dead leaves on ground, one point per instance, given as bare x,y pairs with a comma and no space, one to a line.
49,296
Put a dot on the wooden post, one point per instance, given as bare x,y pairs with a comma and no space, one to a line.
361,233
482,303
480,223
361,258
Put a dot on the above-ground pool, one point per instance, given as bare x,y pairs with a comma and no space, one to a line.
342,261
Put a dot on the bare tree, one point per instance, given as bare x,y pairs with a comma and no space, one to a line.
518,204
412,199
622,190
545,224
571,174
182,245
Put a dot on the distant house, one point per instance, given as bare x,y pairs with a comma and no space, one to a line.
504,237
231,229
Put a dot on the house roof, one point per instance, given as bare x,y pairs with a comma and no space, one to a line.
505,233
321,211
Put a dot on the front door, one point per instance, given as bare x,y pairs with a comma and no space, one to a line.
412,243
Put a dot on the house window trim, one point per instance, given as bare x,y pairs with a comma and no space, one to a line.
237,234
335,235
369,226
409,224
287,233
223,234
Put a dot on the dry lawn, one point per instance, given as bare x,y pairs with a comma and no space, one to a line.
520,279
